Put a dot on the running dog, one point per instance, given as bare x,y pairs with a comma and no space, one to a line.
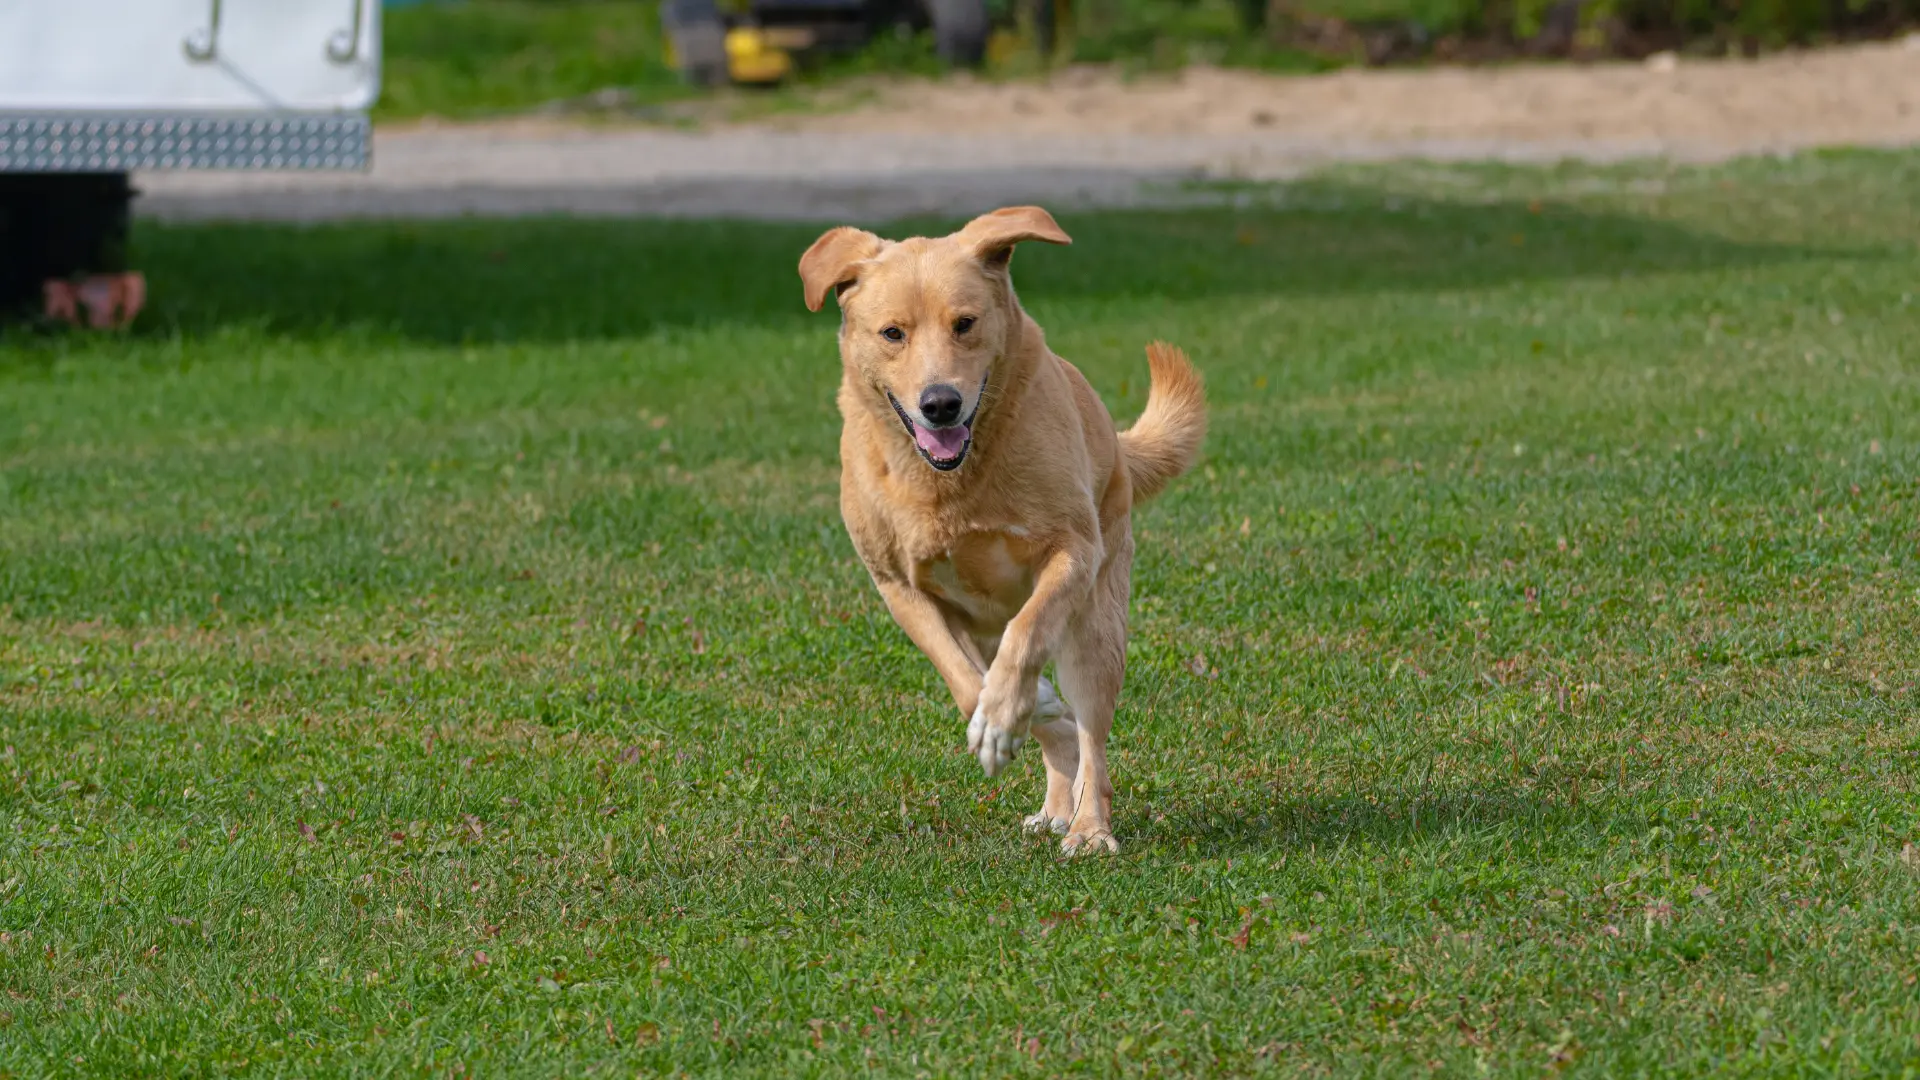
985,489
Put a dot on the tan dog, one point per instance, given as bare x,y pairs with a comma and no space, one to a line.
985,488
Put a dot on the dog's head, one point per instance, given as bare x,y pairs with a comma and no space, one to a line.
924,322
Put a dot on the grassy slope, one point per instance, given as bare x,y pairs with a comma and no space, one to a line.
492,56
485,57
436,645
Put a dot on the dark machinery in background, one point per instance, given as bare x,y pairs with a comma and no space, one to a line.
59,227
716,42
92,91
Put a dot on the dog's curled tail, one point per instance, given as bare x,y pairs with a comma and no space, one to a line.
1164,442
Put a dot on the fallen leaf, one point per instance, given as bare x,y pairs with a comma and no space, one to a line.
1239,940
1050,923
306,831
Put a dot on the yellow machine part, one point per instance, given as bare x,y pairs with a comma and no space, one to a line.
1001,45
758,56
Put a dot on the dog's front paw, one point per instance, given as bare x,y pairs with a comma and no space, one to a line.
993,744
1001,724
1090,842
1048,705
1043,822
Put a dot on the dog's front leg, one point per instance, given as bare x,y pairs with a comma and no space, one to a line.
1012,687
953,654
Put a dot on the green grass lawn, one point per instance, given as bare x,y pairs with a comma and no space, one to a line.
482,57
434,649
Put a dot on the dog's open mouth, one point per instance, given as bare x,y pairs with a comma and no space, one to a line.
944,448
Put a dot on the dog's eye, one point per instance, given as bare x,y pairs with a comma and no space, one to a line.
894,334
963,325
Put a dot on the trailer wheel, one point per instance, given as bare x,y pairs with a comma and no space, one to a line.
960,30
1045,16
58,226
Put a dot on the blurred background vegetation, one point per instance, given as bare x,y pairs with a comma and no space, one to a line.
464,58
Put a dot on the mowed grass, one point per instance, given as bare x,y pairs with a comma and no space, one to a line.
434,650
481,57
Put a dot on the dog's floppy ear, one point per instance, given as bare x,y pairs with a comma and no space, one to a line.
993,235
833,261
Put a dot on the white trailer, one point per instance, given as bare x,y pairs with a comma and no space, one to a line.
91,90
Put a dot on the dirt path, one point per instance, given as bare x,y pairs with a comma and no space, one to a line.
1086,138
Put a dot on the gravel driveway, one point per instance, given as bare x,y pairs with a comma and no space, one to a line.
1086,139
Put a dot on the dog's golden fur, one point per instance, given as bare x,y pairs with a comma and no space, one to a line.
1020,551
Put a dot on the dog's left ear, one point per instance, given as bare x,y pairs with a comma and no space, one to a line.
993,235
834,260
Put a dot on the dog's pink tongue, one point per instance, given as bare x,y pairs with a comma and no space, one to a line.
942,443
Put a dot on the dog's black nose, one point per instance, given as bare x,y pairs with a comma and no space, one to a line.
940,405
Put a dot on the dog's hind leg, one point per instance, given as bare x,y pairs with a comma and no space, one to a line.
1059,738
1092,664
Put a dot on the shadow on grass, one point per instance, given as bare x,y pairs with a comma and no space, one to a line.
554,279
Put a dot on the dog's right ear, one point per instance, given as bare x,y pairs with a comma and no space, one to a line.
833,261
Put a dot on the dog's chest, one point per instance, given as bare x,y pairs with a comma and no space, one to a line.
987,575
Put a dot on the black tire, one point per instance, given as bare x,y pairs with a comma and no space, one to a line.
960,29
699,37
59,225
1044,17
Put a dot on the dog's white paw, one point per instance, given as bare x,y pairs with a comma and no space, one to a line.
1043,822
993,745
1092,842
1047,705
